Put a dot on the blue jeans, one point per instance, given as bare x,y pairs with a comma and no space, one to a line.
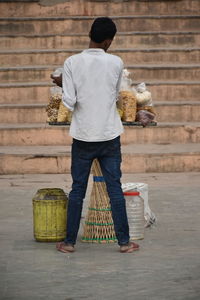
108,154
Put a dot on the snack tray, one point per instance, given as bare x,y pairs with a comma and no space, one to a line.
124,123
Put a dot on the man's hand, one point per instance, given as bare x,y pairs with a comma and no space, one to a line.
57,80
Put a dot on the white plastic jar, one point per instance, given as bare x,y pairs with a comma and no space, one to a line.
135,214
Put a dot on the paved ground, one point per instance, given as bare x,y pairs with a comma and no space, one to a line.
166,267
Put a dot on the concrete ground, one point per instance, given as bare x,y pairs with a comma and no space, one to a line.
166,267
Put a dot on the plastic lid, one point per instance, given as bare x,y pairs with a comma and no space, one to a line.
131,193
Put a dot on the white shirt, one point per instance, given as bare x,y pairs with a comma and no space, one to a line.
91,81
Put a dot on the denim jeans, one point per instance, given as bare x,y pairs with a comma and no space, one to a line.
108,154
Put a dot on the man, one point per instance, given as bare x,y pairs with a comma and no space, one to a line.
91,82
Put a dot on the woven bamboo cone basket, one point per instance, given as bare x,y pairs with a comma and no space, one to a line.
98,227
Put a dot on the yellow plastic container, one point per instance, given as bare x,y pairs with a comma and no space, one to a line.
49,215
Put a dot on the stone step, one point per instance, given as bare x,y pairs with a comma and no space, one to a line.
25,93
36,113
136,159
26,73
177,111
79,41
95,8
19,113
168,72
129,56
44,134
82,24
37,92
140,73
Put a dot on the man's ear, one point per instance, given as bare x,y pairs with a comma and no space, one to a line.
107,43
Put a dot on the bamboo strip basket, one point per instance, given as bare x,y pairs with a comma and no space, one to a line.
99,227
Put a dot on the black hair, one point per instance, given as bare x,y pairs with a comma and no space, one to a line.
102,29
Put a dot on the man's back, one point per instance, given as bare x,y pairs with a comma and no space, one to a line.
91,82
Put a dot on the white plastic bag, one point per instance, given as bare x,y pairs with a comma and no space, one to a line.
126,82
141,87
57,72
55,91
143,96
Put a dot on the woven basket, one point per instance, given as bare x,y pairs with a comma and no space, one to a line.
98,227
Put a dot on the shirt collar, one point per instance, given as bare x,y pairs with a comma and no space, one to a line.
94,50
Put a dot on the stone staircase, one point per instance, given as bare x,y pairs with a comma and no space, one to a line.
159,41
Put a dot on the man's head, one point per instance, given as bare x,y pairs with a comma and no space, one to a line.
102,32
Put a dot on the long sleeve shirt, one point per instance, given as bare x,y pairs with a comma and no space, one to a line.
91,82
